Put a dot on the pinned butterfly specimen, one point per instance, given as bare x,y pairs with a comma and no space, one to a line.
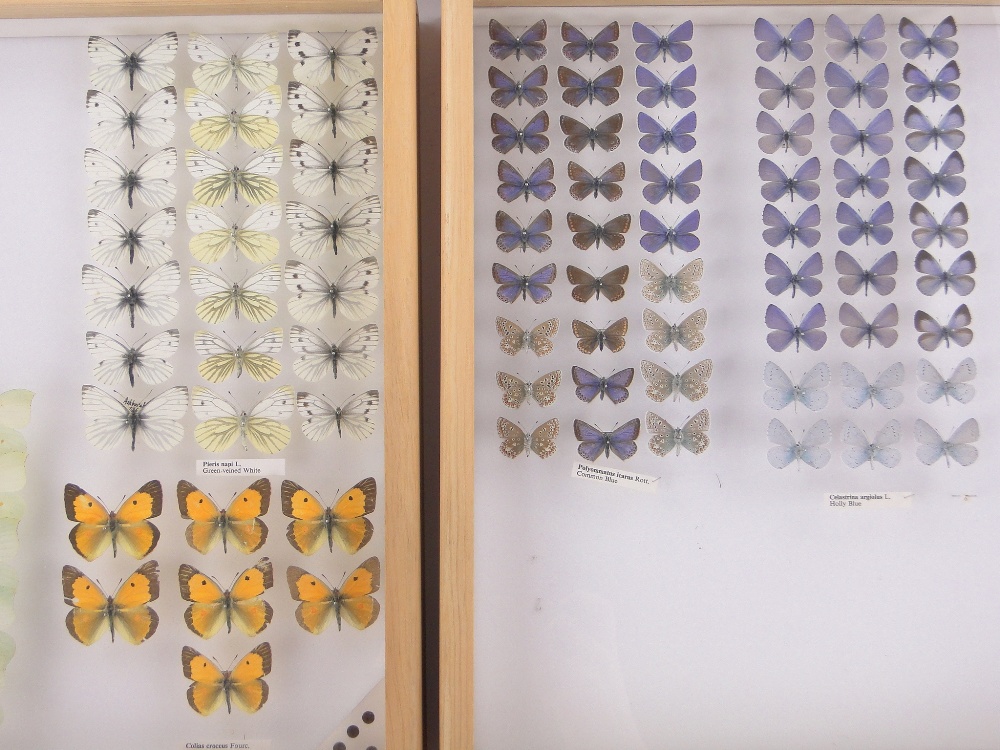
652,44
145,360
774,43
657,136
579,135
853,277
353,112
148,181
514,285
514,339
97,528
320,603
315,232
774,90
845,42
222,297
353,417
783,278
223,358
317,61
241,605
956,386
660,286
810,390
692,383
252,68
958,447
343,523
350,356
149,65
682,184
777,184
859,450
538,183
586,233
606,185
809,450
943,84
593,441
925,133
222,423
602,87
112,124
512,234
127,612
809,331
601,44
850,180
215,122
216,180
919,43
781,230
775,135
875,227
145,242
687,333
933,333
528,44
611,284
530,88
680,235
923,181
693,436
615,386
516,391
874,136
857,389
881,329
655,90
243,685
958,277
843,87
530,135
214,236
152,298
541,441
351,294
239,525
351,171
930,229
156,421
590,338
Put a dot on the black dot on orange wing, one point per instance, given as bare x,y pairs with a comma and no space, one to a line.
204,583
368,717
90,504
135,502
246,578
339,746
353,731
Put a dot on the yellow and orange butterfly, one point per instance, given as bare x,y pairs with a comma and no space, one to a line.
344,522
128,527
240,523
243,685
352,602
240,605
126,612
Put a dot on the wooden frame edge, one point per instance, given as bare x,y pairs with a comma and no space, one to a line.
106,8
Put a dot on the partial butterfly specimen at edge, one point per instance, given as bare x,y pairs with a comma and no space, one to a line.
874,136
514,441
145,242
529,89
223,358
853,277
606,185
587,233
97,528
603,87
783,278
680,235
881,329
780,229
810,390
958,276
594,441
352,418
579,135
775,135
217,180
958,447
351,172
692,383
318,61
222,423
923,182
777,184
858,449
611,284
528,136
514,285
243,685
512,234
344,523
655,90
774,90
665,437
875,227
930,229
921,85
850,180
152,298
590,338
579,44
146,360
516,391
918,43
538,183
214,236
844,88
315,232
241,605
149,65
681,184
783,331
846,42
127,612
615,386
252,67
215,122
221,297
773,43
149,181
352,294
857,390
353,112
809,450
112,124
529,43
514,339
925,133
683,284
687,333
652,44
240,525
320,603
956,386
933,333
656,136
156,420
350,356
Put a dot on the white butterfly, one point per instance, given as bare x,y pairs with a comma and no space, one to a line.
933,446
318,357
857,389
223,357
314,232
351,417
156,421
146,360
957,386
215,123
692,383
214,236
145,242
223,297
516,391
809,450
217,180
148,65
316,61
687,333
683,284
252,67
858,449
222,423
513,338
315,115
149,181
693,435
809,392
351,294
541,441
351,172
152,298
112,124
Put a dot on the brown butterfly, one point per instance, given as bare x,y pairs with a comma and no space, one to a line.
586,184
588,285
587,233
591,338
579,135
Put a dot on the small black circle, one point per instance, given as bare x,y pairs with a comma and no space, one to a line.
339,746
353,731
368,717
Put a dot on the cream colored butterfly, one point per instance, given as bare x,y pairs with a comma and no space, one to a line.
222,423
223,357
683,284
217,180
318,357
148,65
350,172
317,61
214,236
145,242
252,67
215,123
353,112
149,180
315,295
112,124
223,297
353,417
314,232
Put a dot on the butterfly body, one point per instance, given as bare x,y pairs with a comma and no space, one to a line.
320,603
212,606
126,612
243,685
239,523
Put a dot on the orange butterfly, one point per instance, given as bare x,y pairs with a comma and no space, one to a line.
128,527
240,523
126,612
241,604
320,603
243,685
344,522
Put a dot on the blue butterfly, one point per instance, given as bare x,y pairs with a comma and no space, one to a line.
783,278
656,135
957,278
875,227
783,331
661,186
773,42
659,235
653,45
845,42
856,329
506,44
917,42
656,90
851,180
844,87
778,184
930,229
514,285
943,84
854,276
512,234
601,44
538,183
528,136
847,136
590,386
774,90
923,181
780,229
776,136
924,133
593,442
530,88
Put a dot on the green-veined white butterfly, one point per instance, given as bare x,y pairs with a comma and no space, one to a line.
145,242
146,360
222,298
112,124
152,298
215,123
316,61
351,294
314,232
149,180
217,180
352,418
156,420
223,423
149,65
352,113
214,236
223,357
350,172
252,67
318,357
